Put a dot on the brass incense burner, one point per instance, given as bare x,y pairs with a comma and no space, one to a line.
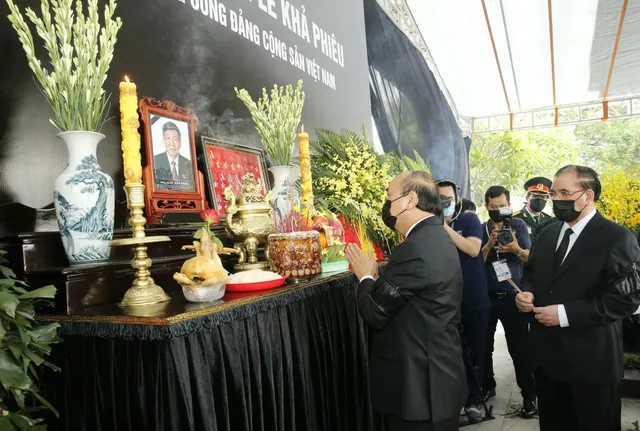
249,219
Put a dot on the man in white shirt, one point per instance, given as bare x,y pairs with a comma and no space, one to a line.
581,280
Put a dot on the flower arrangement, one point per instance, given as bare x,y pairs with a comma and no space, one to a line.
350,179
620,199
80,53
24,345
276,120
210,218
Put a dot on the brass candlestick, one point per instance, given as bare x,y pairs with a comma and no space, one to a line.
143,291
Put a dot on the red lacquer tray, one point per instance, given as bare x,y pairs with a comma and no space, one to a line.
252,287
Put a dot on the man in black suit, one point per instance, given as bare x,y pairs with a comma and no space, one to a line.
171,165
581,281
542,226
417,374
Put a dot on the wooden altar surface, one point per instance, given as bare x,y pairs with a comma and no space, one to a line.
178,309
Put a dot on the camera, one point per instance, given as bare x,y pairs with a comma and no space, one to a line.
505,236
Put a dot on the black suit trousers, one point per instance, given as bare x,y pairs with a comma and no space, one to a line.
577,406
474,335
516,329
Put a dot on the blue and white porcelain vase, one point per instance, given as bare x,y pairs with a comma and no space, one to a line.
83,195
284,195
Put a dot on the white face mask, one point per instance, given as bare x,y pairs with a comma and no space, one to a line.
448,212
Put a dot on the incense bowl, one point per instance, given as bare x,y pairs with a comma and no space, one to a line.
296,255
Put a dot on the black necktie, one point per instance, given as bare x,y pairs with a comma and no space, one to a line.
562,250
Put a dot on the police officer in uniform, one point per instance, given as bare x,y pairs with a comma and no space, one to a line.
537,195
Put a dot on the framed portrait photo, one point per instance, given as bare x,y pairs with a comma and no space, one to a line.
226,164
173,160
173,181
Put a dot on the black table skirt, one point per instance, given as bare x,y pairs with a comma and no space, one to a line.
295,361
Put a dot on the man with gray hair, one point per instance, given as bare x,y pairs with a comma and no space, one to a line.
412,305
581,281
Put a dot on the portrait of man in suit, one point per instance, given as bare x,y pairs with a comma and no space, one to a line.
172,170
581,281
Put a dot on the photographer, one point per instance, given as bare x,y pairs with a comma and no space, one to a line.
505,248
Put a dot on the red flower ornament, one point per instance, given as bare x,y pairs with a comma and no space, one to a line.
210,216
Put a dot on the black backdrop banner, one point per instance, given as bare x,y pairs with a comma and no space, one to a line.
408,107
192,52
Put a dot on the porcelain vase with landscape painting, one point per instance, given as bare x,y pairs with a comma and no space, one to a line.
84,201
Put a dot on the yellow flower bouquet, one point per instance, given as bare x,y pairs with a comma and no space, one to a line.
350,179
620,199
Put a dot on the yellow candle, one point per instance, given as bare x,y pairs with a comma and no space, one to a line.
305,169
130,137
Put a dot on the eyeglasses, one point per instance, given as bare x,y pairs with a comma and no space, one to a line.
564,193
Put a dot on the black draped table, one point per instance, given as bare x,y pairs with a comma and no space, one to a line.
294,358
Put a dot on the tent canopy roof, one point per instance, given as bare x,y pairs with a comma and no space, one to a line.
582,34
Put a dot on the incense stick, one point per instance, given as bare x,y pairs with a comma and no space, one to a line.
515,286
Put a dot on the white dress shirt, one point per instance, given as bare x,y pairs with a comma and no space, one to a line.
176,162
408,232
577,230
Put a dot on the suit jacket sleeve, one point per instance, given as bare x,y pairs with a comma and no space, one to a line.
622,296
529,273
527,283
380,300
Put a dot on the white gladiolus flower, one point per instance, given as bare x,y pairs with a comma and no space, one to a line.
80,52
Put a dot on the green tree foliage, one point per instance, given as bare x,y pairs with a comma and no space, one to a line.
405,163
509,159
613,142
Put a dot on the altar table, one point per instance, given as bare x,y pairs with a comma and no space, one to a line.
294,358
